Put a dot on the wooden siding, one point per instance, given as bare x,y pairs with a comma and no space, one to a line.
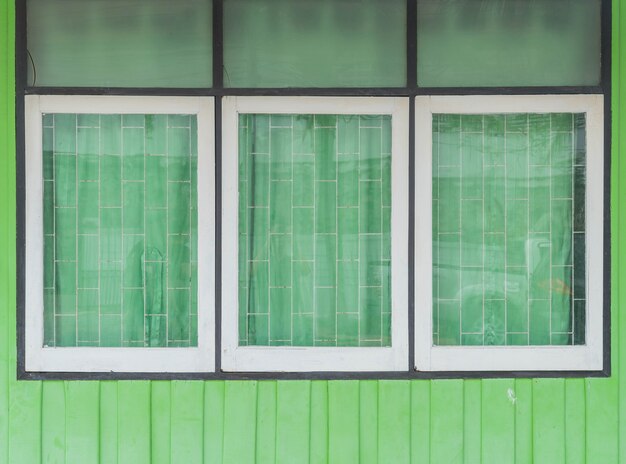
502,421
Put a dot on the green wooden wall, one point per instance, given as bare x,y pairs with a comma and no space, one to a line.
448,421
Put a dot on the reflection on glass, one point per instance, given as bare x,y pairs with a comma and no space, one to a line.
509,229
314,230
120,43
508,43
120,230
314,43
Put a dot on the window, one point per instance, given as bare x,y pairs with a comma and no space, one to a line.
315,231
227,189
120,213
509,250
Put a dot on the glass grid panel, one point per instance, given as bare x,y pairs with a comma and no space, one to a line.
314,230
509,229
120,230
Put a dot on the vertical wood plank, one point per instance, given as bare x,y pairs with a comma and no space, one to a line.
7,219
523,421
499,399
472,402
420,421
343,421
240,422
319,422
187,422
292,422
108,423
160,421
394,429
602,420
53,431
575,421
368,422
266,422
133,422
549,421
83,422
24,422
446,421
22,400
213,422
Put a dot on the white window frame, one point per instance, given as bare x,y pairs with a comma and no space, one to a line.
237,358
429,357
113,359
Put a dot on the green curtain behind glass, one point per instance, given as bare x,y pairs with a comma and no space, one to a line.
314,230
120,230
509,229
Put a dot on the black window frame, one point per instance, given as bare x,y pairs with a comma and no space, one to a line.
410,91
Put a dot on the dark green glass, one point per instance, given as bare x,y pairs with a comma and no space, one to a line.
479,43
120,43
322,43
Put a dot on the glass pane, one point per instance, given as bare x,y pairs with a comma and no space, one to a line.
509,229
120,43
508,43
314,43
120,225
314,230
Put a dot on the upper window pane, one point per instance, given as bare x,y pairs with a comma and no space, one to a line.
120,43
508,43
327,43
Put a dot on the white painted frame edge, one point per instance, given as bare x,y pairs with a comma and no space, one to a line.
512,358
315,359
113,359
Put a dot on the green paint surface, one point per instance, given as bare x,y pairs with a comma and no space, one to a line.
519,421
314,230
120,234
509,229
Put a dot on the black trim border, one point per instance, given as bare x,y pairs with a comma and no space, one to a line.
218,90
20,196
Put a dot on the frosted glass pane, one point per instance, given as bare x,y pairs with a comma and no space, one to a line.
120,230
509,229
314,230
314,43
120,43
508,43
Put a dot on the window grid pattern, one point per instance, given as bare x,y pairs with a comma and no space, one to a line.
314,230
120,226
509,229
